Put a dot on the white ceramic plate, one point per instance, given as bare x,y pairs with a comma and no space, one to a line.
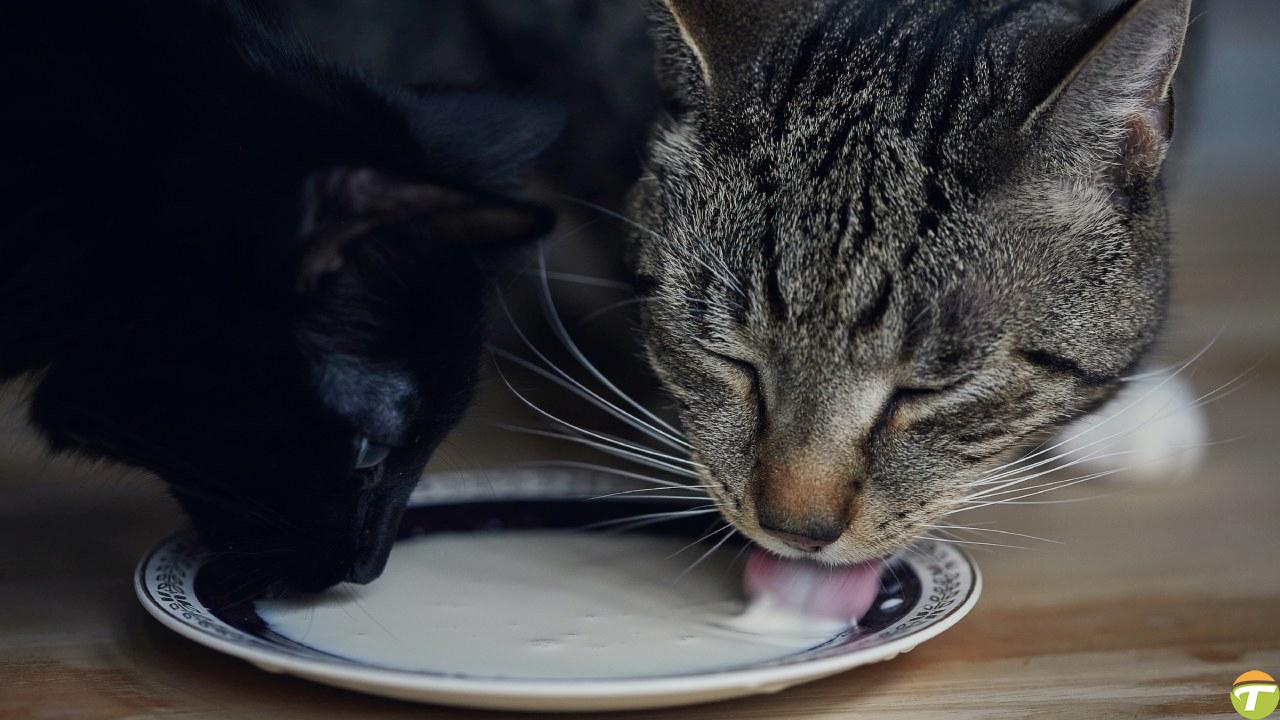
935,586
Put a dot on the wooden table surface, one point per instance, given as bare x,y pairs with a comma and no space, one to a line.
1157,598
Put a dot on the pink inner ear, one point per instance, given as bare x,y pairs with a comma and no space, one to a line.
1160,117
1147,136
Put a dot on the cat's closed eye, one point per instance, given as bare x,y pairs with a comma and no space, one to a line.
905,404
746,374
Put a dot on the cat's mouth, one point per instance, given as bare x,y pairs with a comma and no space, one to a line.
363,548
377,525
841,593
307,557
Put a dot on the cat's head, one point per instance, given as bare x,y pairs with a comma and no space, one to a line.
888,242
295,323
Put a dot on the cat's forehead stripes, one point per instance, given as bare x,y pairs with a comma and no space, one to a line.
873,129
854,157
933,72
924,63
931,209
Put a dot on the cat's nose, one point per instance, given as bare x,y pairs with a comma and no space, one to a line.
367,569
811,539
804,505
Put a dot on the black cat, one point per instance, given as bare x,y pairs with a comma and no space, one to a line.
259,277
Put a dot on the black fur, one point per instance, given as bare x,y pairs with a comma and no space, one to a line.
227,263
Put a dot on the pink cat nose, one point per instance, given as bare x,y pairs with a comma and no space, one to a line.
805,505
810,541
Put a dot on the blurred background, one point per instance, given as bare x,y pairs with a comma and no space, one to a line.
1137,571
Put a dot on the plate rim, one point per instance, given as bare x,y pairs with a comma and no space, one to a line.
351,675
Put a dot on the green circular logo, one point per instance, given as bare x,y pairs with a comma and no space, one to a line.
1255,695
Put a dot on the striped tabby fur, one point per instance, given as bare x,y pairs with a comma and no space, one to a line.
888,242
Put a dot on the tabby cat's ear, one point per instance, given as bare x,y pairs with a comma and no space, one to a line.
1113,91
712,46
342,206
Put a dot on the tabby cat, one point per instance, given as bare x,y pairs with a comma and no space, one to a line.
889,242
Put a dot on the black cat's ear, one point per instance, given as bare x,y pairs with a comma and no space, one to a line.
1110,88
713,46
482,138
342,206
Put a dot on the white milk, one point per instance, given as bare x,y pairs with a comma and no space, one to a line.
543,605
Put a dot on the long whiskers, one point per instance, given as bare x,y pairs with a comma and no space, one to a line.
731,532
975,543
635,521
970,528
606,449
1222,391
644,496
593,467
633,301
719,529
978,504
580,279
557,326
599,436
722,273
667,436
1132,404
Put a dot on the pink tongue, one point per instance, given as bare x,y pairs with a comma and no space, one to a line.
837,593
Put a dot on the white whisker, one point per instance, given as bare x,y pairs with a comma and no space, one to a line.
578,279
1116,414
1230,387
1063,501
1214,395
1056,486
673,515
572,465
986,496
723,274
602,447
708,553
975,543
553,318
633,301
708,536
991,530
638,491
983,500
683,498
672,438
614,306
1011,485
590,396
602,437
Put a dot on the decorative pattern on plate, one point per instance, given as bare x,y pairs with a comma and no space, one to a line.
944,586
165,582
